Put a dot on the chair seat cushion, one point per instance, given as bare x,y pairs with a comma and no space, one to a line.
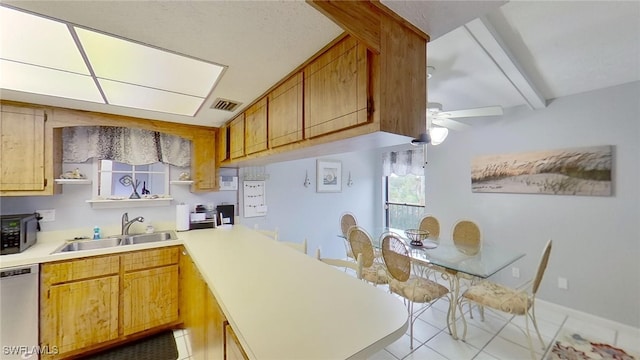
418,289
376,274
499,297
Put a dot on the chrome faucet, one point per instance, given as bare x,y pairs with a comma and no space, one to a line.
126,224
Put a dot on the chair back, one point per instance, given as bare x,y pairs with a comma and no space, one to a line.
432,225
356,266
466,237
542,266
300,246
270,233
360,242
396,257
347,220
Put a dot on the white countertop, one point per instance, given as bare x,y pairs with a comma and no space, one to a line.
281,303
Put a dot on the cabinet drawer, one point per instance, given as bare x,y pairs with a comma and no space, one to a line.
150,258
77,269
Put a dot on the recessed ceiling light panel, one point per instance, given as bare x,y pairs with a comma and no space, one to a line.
45,81
126,61
145,98
39,41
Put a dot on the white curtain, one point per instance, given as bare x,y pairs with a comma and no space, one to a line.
403,162
125,145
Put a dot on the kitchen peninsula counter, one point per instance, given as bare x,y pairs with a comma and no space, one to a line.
281,303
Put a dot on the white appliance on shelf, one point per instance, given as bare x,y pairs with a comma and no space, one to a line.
228,183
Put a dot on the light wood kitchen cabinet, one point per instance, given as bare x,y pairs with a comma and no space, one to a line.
232,348
285,113
236,137
203,161
202,315
89,303
150,289
255,127
222,143
336,89
28,151
79,304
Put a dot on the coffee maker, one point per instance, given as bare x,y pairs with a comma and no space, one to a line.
226,213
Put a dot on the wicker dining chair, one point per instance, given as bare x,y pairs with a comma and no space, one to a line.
270,233
300,246
431,224
347,221
467,237
488,294
372,271
356,266
415,289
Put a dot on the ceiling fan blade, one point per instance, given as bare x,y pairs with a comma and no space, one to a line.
483,111
450,124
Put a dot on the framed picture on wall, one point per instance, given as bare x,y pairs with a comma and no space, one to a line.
328,176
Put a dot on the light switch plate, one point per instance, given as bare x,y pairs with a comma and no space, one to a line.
563,283
47,215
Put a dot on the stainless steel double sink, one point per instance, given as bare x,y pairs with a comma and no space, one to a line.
119,240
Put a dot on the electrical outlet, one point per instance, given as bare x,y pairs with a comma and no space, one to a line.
515,272
47,215
563,283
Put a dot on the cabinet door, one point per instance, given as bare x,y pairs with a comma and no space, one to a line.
150,298
22,159
236,137
285,112
80,314
255,127
193,306
336,89
232,348
214,328
204,162
222,143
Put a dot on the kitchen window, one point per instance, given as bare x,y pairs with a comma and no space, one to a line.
404,201
116,180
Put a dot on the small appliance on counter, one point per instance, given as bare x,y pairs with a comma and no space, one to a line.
226,214
201,219
18,232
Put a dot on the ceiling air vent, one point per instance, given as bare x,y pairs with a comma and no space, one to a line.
226,105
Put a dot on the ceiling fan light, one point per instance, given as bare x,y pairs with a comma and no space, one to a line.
438,134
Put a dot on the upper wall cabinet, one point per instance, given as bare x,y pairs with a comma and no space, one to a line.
285,112
255,127
336,89
203,161
222,144
236,137
26,152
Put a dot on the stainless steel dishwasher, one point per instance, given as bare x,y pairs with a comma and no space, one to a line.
19,312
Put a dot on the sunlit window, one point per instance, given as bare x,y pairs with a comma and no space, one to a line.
122,181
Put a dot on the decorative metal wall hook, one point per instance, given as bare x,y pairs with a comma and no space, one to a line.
307,182
349,181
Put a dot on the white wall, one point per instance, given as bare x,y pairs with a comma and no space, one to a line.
596,239
73,212
300,212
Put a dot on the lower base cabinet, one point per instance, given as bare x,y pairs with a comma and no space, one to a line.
202,316
91,302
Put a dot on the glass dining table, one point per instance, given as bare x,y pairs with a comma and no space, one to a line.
456,263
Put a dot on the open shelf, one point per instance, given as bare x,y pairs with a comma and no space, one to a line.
73,181
181,182
128,203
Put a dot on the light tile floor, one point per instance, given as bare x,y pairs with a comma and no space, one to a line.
492,339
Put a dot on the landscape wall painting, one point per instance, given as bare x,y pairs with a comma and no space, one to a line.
576,171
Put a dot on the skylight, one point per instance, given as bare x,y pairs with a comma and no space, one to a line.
49,57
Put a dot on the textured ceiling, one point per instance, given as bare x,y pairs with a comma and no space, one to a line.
559,48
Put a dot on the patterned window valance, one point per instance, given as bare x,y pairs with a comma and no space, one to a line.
403,162
125,145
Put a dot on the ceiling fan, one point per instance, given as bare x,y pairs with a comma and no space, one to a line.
439,122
